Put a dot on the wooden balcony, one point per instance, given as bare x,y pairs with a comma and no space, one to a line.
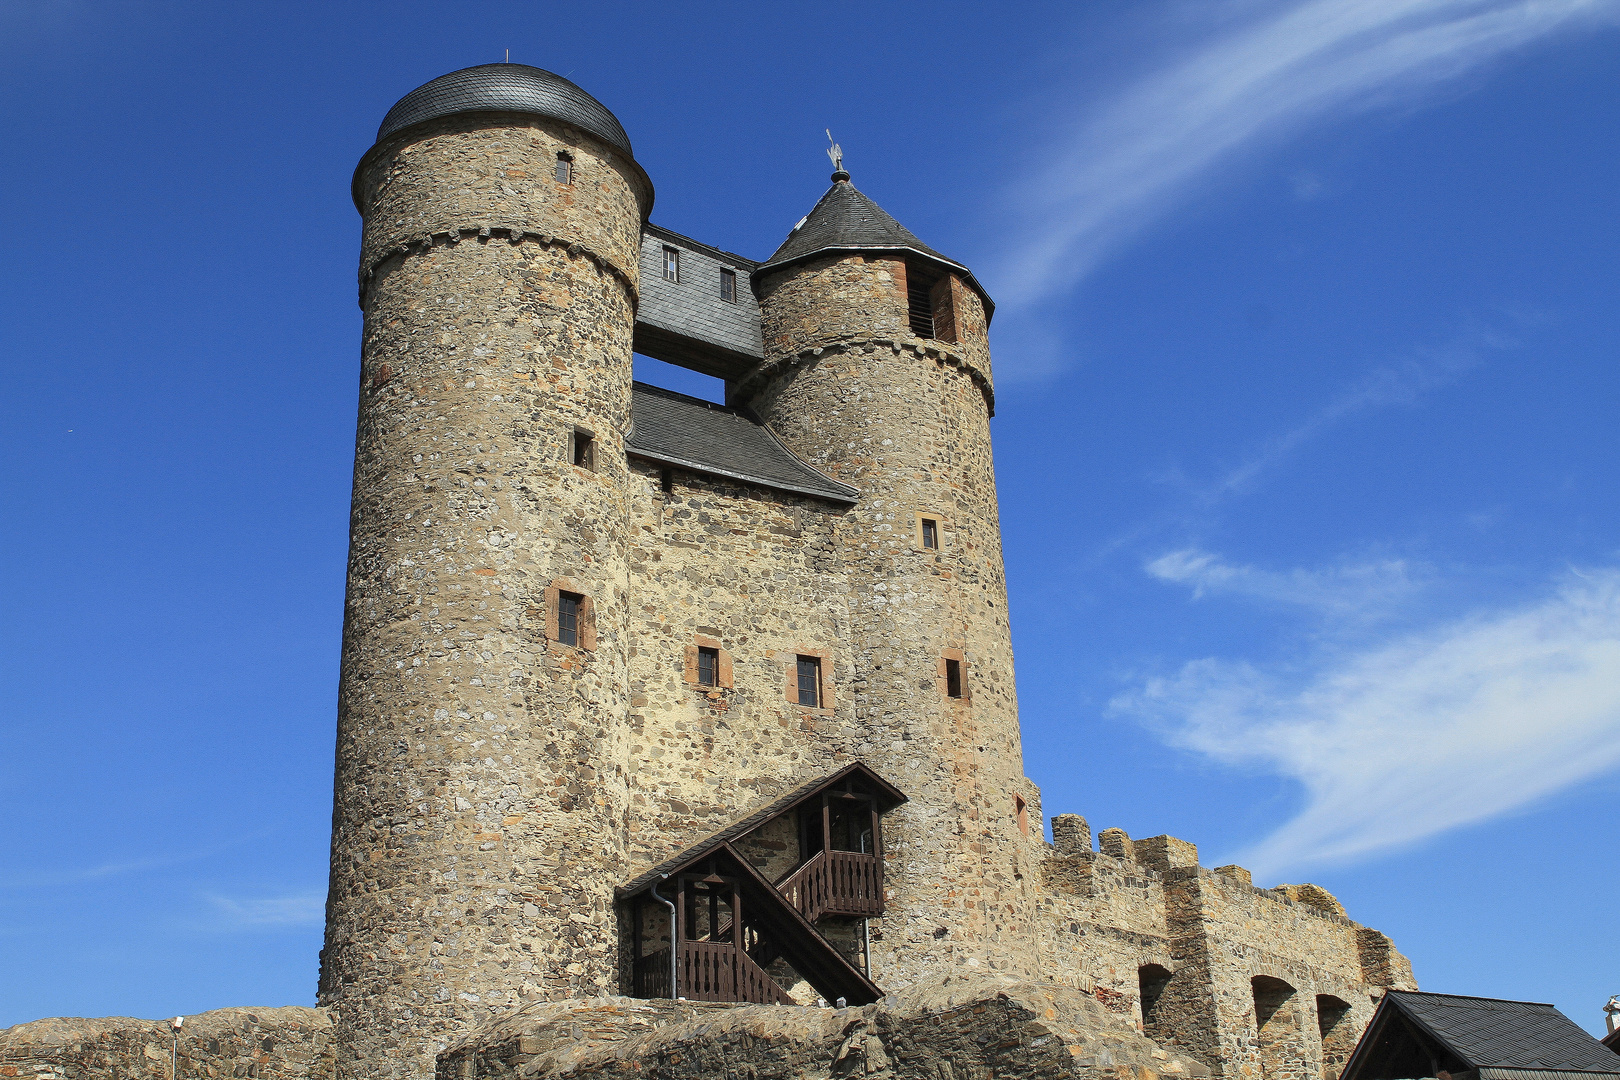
709,971
836,883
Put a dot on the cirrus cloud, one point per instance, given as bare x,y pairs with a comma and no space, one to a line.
1408,738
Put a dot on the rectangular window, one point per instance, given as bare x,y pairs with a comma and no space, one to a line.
672,264
568,617
930,533
919,300
584,451
1021,811
953,678
728,286
565,169
810,681
708,666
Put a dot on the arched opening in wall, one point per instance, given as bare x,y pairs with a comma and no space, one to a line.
1276,1024
1151,980
1338,1034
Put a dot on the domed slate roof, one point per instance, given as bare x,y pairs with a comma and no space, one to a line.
506,88
846,220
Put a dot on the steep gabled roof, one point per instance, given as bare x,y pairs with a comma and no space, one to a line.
888,797
1498,1040
705,437
846,220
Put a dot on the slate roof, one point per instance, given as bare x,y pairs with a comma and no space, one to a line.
1501,1040
889,797
705,437
846,220
506,88
687,322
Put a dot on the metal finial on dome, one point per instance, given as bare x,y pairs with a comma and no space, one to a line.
836,153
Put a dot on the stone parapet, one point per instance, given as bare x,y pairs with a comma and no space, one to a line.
291,1043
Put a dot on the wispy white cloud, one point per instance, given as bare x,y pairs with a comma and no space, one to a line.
1384,386
1357,590
1406,739
1267,69
301,909
112,869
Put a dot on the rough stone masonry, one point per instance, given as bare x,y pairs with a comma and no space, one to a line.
577,642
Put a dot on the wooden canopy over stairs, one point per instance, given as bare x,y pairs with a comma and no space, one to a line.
732,923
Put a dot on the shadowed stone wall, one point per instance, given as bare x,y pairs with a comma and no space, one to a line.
906,421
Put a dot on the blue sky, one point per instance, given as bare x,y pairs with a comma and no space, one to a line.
1306,442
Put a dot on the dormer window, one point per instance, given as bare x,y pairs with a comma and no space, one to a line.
565,167
728,286
672,264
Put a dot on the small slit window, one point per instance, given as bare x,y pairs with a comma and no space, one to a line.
568,617
1021,812
565,168
583,451
953,678
809,681
672,264
728,286
708,667
930,534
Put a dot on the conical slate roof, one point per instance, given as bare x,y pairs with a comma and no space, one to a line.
846,220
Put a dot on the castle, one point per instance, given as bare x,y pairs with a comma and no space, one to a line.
650,697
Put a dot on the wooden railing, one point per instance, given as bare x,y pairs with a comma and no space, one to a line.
652,975
709,971
719,971
836,883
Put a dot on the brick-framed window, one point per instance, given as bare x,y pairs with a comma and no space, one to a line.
953,676
565,167
582,449
1021,813
570,615
810,679
931,301
707,666
942,304
672,264
728,286
928,531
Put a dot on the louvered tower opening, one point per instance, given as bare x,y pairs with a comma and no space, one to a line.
920,299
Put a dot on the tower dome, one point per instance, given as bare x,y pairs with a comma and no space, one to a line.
506,88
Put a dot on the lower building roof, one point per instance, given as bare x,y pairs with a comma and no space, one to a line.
705,437
1496,1039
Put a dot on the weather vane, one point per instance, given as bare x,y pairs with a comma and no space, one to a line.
835,152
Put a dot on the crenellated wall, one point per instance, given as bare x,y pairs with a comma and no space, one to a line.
1256,977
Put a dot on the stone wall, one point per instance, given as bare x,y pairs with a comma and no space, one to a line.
947,1026
285,1043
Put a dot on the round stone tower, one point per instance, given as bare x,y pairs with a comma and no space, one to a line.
877,372
480,792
